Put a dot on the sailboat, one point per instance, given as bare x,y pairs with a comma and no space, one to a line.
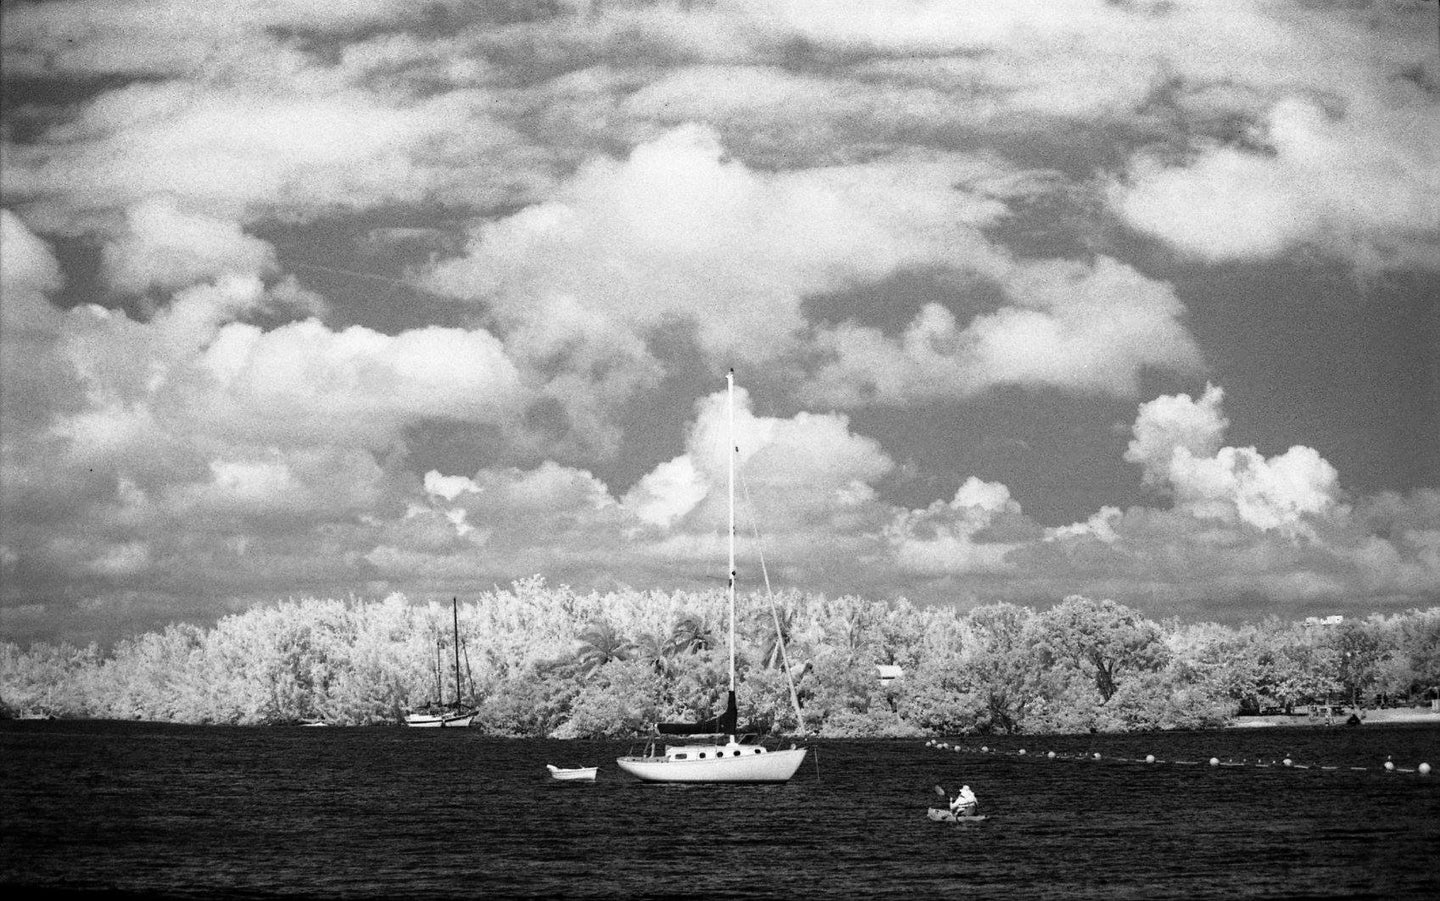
450,716
716,752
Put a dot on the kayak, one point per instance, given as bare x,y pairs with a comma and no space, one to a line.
945,816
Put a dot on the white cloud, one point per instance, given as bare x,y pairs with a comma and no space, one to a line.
1176,440
1068,325
677,231
243,152
448,487
1361,184
801,472
933,25
27,267
1173,423
307,484
165,248
1100,526
1268,493
667,492
305,382
945,538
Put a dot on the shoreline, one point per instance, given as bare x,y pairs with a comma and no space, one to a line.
1377,716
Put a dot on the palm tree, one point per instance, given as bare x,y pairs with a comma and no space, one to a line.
690,635
600,644
772,644
658,651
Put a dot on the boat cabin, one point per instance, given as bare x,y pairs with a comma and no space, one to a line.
710,752
707,747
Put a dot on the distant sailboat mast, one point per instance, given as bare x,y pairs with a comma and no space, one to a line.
439,682
733,452
455,614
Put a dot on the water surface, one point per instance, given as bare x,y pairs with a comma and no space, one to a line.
386,812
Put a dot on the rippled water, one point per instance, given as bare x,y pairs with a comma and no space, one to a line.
376,812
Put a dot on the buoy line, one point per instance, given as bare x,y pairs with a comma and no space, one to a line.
1149,759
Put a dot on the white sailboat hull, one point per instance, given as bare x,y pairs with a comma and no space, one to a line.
438,721
748,766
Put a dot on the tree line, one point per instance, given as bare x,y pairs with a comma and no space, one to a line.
537,660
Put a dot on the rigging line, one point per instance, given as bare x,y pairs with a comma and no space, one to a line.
770,596
375,278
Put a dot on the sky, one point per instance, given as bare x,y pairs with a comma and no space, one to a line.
1135,300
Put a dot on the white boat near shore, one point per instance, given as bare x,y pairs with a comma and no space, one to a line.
572,774
441,719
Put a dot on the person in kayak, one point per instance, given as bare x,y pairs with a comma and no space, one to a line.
965,803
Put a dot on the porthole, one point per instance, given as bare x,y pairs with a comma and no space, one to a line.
737,753
702,755
757,750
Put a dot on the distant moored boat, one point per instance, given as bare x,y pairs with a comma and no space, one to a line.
452,716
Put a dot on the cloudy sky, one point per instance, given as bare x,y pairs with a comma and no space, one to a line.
345,298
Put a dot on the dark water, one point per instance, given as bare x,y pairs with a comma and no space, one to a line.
209,811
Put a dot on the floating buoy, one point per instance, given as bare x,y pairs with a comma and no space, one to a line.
1389,766
1424,769
1097,755
1149,758
1022,752
1214,761
958,749
1287,761
985,749
1051,755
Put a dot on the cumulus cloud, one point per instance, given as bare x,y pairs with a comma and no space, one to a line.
165,248
1176,438
304,381
193,450
1176,423
807,476
1355,183
1068,325
947,538
1241,526
678,231
802,473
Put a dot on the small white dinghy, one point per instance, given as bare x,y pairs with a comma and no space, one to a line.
573,774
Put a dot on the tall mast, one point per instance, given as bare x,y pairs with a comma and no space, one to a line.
455,613
730,387
439,684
